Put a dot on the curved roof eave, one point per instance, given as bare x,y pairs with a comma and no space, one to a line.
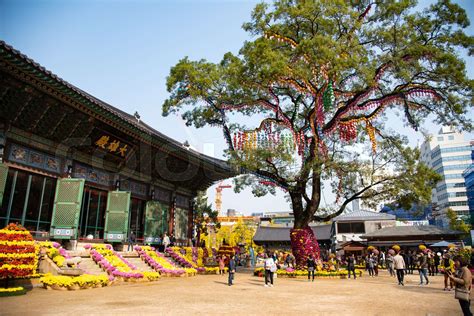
127,121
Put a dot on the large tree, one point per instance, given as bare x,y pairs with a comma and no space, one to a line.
314,85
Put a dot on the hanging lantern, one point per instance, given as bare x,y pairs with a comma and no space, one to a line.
371,132
328,97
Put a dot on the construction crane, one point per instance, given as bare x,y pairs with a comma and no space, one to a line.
218,201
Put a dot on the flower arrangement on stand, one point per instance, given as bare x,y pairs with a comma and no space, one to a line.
158,262
175,253
226,251
18,255
114,264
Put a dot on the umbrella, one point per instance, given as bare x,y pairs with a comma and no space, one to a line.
442,243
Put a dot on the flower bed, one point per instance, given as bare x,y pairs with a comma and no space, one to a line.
55,252
18,252
158,262
60,282
114,264
215,270
292,273
12,291
175,253
195,255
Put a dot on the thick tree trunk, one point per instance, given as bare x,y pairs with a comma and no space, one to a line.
303,240
303,244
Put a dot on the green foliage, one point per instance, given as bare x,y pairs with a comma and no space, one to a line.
327,70
456,223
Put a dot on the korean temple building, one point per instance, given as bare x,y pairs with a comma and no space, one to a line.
74,166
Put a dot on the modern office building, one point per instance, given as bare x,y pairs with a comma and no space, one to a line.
415,216
449,154
468,175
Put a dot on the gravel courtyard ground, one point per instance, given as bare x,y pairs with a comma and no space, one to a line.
210,295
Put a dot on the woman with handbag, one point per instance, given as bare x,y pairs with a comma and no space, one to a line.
462,279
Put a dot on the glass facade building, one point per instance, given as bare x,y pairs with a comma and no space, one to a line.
469,180
449,154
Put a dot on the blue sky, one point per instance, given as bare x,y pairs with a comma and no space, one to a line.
121,52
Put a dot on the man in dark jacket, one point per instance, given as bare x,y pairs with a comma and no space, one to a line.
351,266
131,241
231,269
423,267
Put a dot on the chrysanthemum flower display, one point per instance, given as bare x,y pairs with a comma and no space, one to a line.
114,263
83,281
12,291
292,273
195,254
303,244
55,252
175,253
158,262
18,252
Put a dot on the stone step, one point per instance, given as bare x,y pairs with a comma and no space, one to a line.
142,266
89,266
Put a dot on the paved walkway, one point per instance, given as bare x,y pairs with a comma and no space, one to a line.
210,295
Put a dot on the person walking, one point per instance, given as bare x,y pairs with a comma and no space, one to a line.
463,279
288,260
131,241
351,266
270,268
389,262
423,267
370,265
231,270
405,258
431,264
311,264
166,241
399,265
408,263
447,264
375,258
437,260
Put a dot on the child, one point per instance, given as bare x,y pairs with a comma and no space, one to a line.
221,265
